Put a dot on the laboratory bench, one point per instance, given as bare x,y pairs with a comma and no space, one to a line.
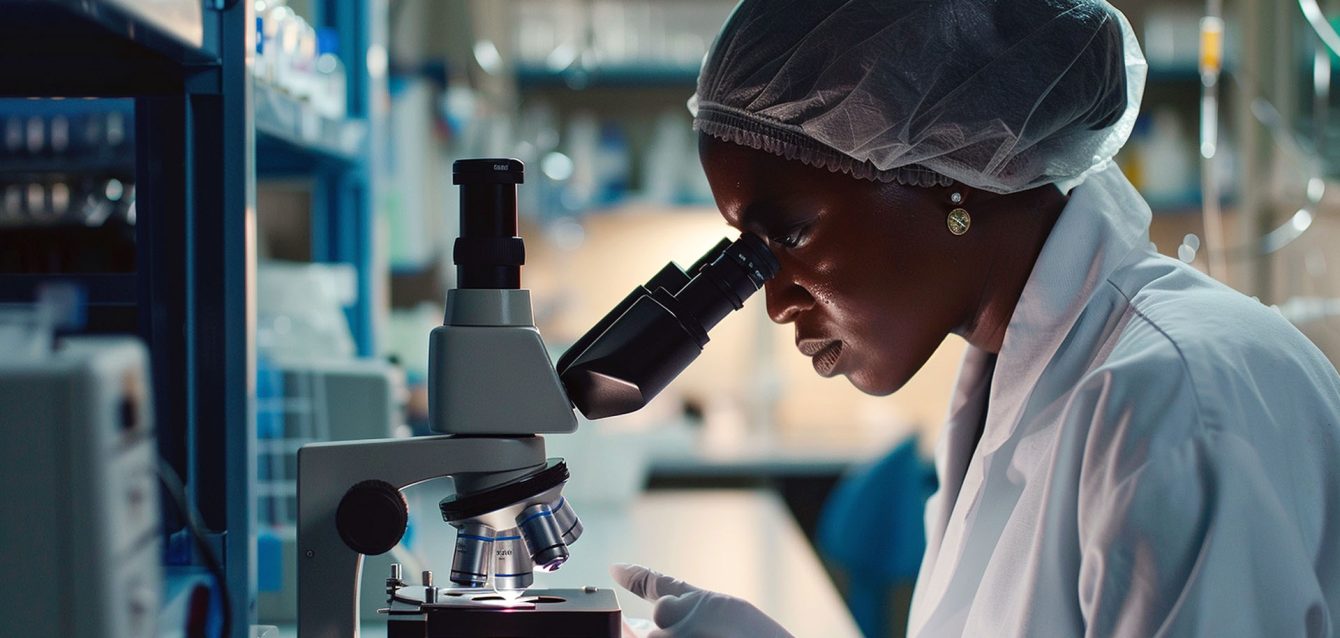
802,472
741,542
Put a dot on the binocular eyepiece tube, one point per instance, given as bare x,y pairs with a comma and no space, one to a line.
651,336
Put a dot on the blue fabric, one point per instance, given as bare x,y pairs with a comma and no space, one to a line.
872,528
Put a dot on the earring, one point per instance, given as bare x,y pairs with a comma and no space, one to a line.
959,220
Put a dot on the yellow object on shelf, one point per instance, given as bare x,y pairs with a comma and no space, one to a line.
1211,45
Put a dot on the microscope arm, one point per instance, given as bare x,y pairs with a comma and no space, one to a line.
328,570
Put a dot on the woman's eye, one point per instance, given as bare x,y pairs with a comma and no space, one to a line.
792,237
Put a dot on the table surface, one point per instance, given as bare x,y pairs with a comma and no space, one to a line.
741,542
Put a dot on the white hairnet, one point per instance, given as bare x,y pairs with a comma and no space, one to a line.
1003,95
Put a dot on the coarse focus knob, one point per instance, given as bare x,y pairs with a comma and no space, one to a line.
372,517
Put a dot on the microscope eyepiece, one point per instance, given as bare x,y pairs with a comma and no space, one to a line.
488,253
725,282
623,362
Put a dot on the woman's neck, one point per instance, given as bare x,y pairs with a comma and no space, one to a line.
1016,227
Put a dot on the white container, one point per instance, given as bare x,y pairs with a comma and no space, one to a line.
330,98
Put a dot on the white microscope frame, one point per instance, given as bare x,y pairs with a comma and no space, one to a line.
329,572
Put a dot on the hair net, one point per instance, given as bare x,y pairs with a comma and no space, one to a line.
1003,95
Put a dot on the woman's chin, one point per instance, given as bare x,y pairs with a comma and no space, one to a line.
876,384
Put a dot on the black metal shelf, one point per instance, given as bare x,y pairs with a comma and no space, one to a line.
114,165
116,289
179,39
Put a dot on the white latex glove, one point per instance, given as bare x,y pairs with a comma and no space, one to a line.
684,611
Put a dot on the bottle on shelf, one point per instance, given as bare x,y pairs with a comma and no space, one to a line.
331,96
60,134
302,77
286,27
13,135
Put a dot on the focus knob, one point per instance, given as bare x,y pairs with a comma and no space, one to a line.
372,517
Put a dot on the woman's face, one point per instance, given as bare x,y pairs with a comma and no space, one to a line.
867,273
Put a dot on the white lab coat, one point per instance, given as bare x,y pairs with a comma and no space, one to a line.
1160,455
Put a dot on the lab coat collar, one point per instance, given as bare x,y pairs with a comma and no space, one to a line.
1105,219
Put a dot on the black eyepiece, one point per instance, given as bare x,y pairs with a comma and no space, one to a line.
488,171
488,253
660,328
726,281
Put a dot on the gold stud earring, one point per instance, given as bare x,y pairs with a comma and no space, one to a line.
959,220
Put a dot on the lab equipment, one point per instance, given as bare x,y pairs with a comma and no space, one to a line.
999,96
82,526
300,400
492,391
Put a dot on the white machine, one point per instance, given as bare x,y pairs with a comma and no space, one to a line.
81,531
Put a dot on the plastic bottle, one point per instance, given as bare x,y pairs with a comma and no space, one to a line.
36,137
60,133
331,98
258,64
13,134
302,81
271,13
116,129
285,44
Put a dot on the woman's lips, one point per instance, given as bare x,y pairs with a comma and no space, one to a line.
824,353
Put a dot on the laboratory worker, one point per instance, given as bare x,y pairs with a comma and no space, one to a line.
1132,448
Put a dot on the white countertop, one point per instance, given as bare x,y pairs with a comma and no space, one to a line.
741,542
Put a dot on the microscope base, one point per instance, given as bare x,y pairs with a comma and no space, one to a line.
551,613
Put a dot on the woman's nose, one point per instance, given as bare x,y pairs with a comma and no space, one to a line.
786,298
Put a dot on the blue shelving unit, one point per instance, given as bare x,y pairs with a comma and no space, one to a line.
293,141
617,76
194,169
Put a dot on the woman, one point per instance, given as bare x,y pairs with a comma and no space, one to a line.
1133,449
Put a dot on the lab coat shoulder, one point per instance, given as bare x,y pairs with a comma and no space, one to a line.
1190,356
1198,421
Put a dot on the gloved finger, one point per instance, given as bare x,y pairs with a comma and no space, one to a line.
648,584
637,627
672,610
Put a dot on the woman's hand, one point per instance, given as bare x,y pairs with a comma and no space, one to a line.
684,611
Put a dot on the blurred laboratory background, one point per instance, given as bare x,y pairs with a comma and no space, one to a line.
260,193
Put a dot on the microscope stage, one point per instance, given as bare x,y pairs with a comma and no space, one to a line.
552,613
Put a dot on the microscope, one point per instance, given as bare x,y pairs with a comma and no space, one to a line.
493,394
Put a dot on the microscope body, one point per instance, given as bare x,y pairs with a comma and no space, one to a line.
329,474
489,371
492,391
492,388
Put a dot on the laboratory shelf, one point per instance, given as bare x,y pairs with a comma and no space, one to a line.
291,136
47,107
13,168
86,47
99,289
619,76
172,29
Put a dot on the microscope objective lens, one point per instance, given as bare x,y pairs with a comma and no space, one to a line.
474,547
512,567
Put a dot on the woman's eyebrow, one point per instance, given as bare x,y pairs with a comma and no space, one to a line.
758,216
